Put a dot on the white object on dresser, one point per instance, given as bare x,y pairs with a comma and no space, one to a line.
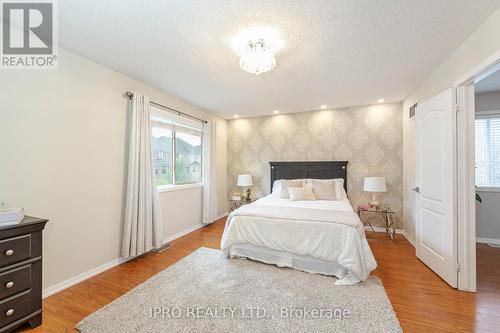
9,216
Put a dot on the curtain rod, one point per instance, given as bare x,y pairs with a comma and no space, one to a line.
128,94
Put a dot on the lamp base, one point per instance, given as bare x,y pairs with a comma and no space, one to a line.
374,203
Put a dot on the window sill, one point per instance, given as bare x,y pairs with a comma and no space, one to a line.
170,188
487,189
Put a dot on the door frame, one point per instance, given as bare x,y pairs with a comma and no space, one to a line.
466,183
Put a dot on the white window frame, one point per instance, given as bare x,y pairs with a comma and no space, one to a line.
157,122
487,115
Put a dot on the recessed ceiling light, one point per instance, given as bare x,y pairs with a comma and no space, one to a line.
381,100
323,106
276,111
235,116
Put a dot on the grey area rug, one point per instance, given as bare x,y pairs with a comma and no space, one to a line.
206,292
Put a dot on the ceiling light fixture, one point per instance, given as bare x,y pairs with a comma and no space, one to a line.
235,116
381,100
276,111
257,48
323,106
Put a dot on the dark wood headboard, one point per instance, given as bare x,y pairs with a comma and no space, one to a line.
315,170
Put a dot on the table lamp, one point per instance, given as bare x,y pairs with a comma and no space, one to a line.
245,181
374,185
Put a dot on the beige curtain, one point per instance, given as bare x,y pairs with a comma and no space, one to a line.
142,230
209,180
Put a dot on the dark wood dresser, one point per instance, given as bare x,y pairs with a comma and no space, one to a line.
21,274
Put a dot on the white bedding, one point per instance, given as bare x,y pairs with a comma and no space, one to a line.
332,238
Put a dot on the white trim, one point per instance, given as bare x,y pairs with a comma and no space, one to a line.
487,189
170,188
382,229
484,68
398,231
408,238
487,114
182,233
492,241
466,189
466,178
49,291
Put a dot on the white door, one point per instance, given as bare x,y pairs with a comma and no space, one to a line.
435,185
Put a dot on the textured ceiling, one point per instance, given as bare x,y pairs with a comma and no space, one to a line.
338,53
489,83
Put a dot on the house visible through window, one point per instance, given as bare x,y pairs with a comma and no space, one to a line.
163,154
177,151
488,151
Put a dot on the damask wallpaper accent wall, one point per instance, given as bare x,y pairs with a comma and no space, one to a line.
369,137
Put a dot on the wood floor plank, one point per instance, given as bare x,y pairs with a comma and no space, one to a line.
422,301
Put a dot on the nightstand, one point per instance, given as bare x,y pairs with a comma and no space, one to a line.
238,203
388,217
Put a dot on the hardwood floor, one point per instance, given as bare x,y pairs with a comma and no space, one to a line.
422,301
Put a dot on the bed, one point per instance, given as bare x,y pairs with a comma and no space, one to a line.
320,236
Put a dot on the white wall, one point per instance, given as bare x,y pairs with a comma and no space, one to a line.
488,101
63,153
487,217
481,44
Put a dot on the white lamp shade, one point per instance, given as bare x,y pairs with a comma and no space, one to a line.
244,180
374,184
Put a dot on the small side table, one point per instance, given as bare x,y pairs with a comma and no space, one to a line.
238,203
389,222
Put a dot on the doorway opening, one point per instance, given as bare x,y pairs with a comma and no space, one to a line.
487,180
482,76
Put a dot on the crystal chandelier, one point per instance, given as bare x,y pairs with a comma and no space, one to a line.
257,58
257,47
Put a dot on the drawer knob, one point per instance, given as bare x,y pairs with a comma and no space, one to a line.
9,312
9,252
9,284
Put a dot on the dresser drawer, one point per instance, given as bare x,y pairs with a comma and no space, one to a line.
14,281
15,249
15,308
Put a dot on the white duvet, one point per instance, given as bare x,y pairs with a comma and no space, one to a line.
325,230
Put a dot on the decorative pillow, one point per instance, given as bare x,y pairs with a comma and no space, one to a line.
339,189
288,183
301,193
324,189
276,190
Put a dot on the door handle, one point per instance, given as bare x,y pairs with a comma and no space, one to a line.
416,189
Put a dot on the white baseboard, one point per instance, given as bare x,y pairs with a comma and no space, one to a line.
189,230
46,292
492,241
183,233
381,229
408,238
398,231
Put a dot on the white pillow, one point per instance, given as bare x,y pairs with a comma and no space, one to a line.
276,190
301,193
340,192
324,189
288,183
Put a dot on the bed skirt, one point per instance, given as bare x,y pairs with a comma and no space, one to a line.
295,261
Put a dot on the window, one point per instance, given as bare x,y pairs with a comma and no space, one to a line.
187,157
488,151
163,153
177,150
